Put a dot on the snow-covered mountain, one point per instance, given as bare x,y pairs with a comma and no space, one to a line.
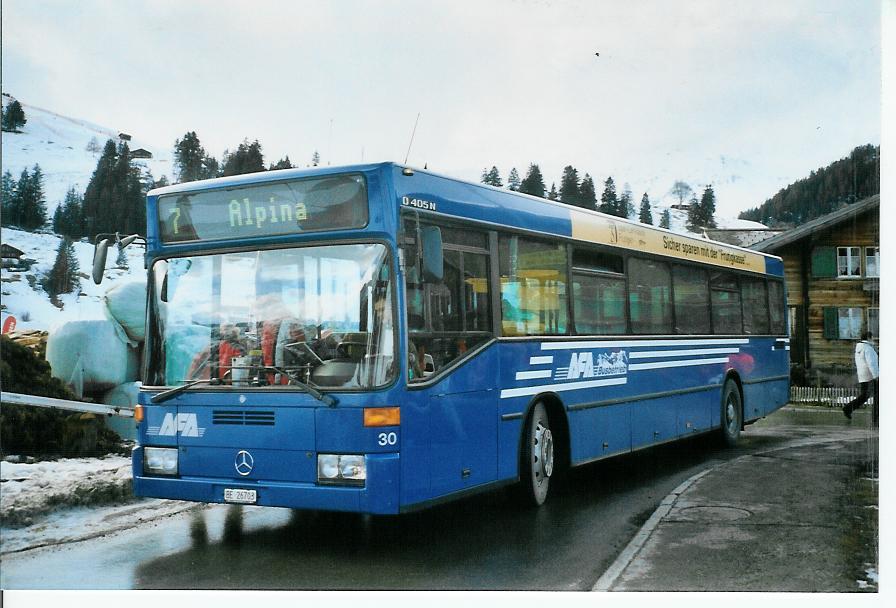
59,145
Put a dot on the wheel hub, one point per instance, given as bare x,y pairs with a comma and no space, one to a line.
544,442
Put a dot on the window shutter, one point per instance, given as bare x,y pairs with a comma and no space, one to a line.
831,323
824,262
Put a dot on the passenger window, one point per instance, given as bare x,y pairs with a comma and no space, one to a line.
598,297
691,289
446,319
533,287
726,308
650,296
755,298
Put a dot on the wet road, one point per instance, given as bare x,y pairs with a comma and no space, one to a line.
485,542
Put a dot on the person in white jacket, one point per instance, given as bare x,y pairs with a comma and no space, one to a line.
867,371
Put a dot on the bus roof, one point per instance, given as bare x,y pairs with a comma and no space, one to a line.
546,216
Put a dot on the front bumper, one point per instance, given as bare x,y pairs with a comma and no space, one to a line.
380,495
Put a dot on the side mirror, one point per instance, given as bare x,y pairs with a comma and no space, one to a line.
433,261
99,260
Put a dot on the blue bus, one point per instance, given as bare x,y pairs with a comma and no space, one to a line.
379,338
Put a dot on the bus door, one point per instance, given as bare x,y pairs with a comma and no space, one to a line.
449,329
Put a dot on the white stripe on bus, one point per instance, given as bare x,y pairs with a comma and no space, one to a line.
647,354
636,343
542,373
541,360
568,386
687,363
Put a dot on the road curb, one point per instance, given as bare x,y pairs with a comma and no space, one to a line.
634,546
608,578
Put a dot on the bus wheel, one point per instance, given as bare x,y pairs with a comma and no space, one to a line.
732,413
538,456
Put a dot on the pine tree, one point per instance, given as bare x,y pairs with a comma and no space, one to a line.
553,195
609,203
513,180
626,202
533,183
114,198
587,193
13,117
283,163
646,216
32,207
63,277
695,220
666,219
315,159
189,158
569,186
248,158
8,198
68,218
494,177
708,207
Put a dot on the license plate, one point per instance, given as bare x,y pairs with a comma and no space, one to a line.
245,497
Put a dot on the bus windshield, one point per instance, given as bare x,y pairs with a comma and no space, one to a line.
312,315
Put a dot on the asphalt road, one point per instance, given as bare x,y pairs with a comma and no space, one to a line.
486,542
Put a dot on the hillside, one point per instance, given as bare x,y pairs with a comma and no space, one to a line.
844,181
59,145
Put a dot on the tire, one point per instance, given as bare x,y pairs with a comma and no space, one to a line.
732,414
537,464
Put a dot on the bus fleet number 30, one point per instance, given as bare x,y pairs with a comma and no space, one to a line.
387,438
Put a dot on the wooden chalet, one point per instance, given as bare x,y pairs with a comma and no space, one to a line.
832,271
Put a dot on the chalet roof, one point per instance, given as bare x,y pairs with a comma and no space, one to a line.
8,251
819,223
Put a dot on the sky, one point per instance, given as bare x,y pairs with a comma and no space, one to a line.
748,96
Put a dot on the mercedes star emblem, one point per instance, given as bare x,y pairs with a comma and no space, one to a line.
243,462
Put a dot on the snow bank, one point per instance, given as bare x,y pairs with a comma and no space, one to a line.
91,356
30,490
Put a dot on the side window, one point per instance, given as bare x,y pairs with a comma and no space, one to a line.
776,307
726,309
598,293
649,296
691,300
533,287
755,298
448,318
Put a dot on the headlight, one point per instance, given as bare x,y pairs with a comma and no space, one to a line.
341,468
160,461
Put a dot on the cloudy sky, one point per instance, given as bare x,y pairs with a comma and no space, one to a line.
746,95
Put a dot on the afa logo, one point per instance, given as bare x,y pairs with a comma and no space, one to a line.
172,424
585,365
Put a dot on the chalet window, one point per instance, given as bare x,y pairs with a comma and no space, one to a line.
849,262
872,262
843,323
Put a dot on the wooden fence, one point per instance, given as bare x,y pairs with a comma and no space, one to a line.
830,397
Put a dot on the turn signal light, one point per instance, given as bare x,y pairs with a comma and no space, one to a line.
382,416
138,414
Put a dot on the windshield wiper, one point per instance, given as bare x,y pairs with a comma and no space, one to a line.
328,399
177,390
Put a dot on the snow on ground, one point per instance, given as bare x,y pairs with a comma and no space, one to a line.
71,499
29,490
25,299
59,145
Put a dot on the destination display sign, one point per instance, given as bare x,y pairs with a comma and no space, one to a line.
604,230
328,203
